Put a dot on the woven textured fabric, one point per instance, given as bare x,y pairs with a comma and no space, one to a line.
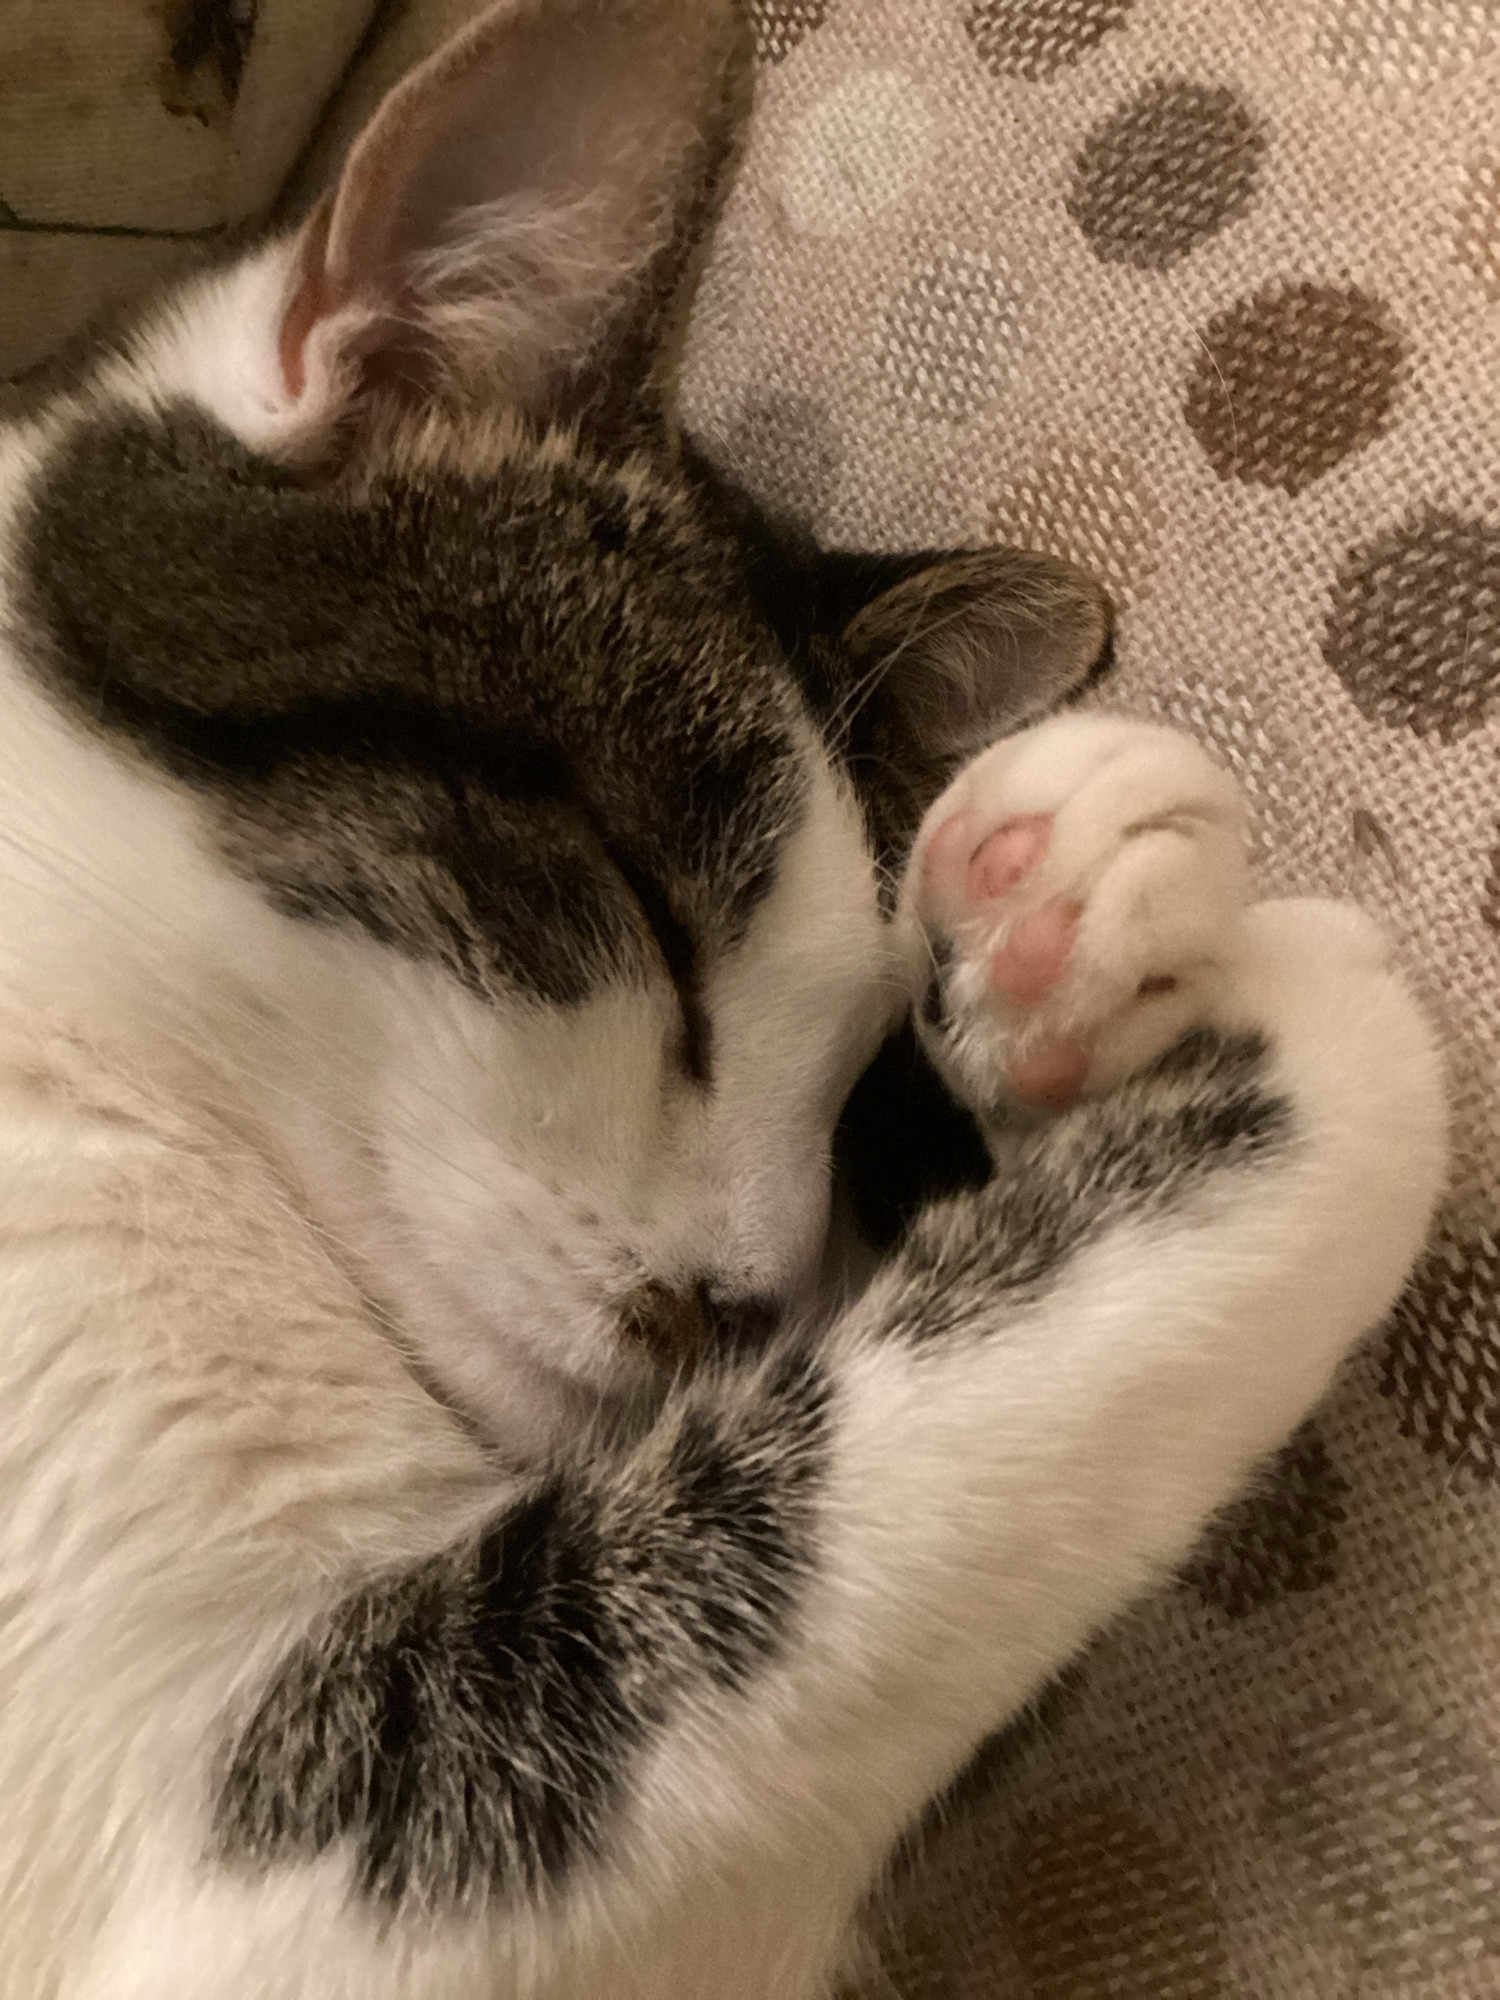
1208,299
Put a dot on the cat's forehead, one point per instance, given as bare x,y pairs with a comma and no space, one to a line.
491,699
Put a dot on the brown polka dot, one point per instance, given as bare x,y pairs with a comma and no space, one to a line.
1033,38
1413,628
948,1942
1385,45
1093,509
1441,1360
1478,239
1282,1537
1103,1908
1396,1833
948,338
1165,172
1288,383
783,450
778,25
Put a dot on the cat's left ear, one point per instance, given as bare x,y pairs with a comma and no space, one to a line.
515,223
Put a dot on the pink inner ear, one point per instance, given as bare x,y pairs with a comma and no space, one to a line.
508,197
311,301
428,129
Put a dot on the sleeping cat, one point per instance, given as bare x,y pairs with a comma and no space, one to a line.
461,1538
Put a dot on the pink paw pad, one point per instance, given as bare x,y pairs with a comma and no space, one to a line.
1008,857
1050,1073
1052,1069
1028,965
1035,955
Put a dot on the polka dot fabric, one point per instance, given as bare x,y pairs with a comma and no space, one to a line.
1207,299
1033,38
1165,172
778,25
1282,1536
947,339
1289,383
1478,241
1413,628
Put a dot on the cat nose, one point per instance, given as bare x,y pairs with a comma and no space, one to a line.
675,1324
742,1323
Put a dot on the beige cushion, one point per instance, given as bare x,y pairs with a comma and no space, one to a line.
126,149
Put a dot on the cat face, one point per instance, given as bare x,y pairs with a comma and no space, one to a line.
500,809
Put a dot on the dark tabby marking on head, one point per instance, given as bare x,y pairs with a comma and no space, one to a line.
527,725
1199,1110
468,1727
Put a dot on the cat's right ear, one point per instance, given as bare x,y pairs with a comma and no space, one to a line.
920,661
515,223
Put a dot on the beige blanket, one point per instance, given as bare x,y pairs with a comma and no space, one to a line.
1208,298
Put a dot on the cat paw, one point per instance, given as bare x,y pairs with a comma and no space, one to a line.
1081,888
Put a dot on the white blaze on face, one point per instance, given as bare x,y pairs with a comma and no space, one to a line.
507,1173
797,1011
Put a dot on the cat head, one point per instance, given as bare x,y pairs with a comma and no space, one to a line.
414,749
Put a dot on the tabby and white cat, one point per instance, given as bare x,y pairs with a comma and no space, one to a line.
456,862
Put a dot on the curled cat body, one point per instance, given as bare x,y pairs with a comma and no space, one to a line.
456,1537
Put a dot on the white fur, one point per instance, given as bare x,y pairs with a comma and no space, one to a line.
249,1168
993,1503
201,1424
215,343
